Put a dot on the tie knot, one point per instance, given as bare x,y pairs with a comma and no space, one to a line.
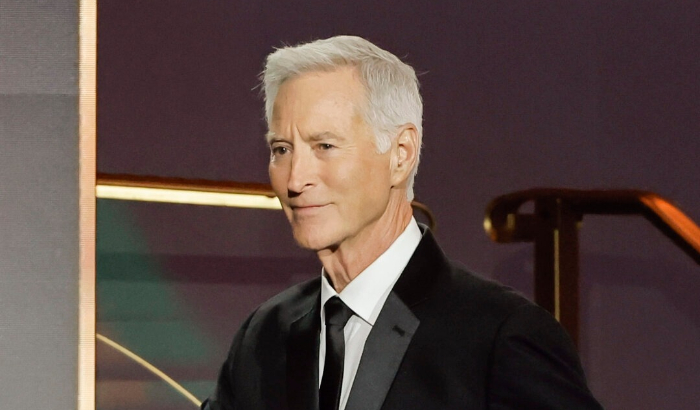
337,312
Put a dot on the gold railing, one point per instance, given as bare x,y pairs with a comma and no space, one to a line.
553,227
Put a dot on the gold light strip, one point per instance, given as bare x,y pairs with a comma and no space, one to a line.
183,196
87,86
151,368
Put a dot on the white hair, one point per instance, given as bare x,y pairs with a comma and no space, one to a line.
393,99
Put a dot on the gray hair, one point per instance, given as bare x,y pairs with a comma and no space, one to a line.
393,99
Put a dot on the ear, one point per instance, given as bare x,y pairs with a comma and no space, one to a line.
404,154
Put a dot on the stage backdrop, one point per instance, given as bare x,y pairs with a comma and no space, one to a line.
518,94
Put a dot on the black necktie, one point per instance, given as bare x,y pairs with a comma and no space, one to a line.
337,315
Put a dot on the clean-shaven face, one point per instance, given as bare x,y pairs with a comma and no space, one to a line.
324,165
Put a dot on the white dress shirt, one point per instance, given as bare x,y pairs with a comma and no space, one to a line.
366,295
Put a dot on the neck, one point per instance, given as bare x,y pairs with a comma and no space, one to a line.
347,261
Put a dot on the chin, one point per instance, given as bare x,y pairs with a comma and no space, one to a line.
312,239
312,244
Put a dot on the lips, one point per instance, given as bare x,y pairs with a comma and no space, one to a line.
306,209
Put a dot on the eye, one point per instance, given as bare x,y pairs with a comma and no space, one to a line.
280,150
325,147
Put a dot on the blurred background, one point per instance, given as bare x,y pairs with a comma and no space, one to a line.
518,94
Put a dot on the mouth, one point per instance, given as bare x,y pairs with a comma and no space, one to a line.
306,209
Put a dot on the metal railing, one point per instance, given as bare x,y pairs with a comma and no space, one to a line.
554,225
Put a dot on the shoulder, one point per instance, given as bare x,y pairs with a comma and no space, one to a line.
431,276
516,324
532,361
482,297
288,305
442,290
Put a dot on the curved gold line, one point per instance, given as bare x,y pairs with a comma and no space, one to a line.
138,359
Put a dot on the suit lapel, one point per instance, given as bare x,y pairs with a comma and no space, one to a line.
426,266
302,361
382,355
394,329
386,344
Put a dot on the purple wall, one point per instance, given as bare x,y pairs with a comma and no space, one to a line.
517,94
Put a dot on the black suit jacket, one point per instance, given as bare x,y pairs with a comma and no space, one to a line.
445,339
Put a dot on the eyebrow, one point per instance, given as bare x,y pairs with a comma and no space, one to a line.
271,137
326,135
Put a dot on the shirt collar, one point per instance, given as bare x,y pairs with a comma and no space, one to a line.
366,294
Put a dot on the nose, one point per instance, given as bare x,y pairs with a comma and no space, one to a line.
301,173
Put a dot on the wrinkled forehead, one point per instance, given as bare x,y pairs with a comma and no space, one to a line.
351,73
318,96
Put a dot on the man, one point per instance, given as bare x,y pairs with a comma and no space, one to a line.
391,323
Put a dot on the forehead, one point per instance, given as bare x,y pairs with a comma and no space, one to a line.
318,94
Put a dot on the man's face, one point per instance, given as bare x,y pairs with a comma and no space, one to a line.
324,166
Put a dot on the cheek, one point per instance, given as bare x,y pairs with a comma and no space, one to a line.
368,184
375,174
278,180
